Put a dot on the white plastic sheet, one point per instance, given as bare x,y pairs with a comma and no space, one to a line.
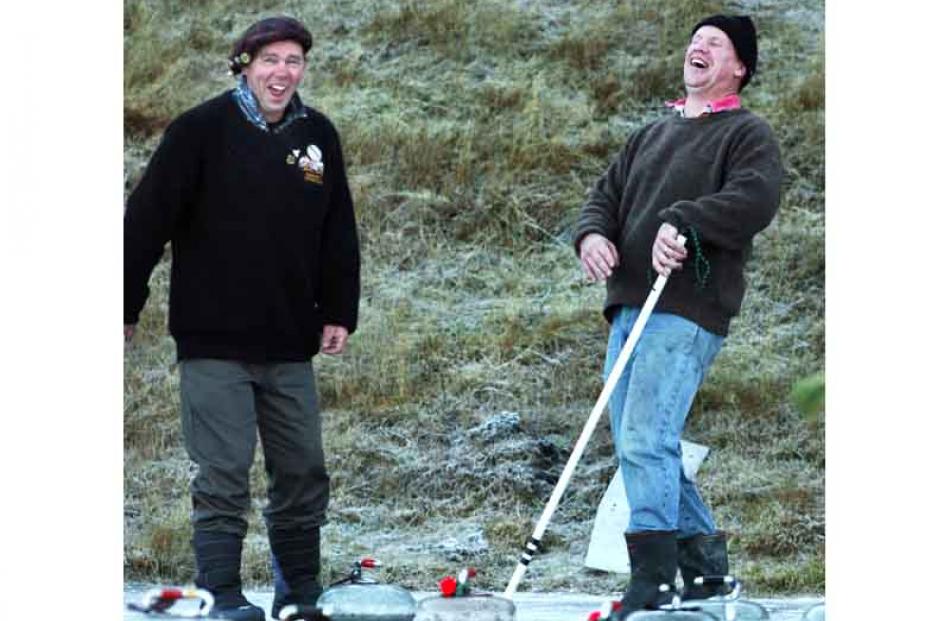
607,550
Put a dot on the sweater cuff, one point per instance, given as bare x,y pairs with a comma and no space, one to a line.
339,317
581,233
673,217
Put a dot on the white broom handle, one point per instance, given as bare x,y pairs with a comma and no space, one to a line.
532,545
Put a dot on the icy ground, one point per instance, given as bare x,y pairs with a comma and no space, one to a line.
532,606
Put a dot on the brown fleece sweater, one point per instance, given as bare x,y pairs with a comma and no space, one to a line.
716,178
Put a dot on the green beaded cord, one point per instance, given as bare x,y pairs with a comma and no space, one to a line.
700,263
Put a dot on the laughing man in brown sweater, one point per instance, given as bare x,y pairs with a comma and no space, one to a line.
709,171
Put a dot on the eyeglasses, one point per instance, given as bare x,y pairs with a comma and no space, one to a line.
273,60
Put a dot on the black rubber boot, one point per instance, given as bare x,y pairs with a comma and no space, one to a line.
296,557
218,558
652,563
702,555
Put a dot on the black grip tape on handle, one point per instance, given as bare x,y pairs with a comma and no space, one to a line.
531,547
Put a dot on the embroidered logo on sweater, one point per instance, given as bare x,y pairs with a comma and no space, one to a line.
311,164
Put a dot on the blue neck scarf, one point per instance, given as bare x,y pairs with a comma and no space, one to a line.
252,111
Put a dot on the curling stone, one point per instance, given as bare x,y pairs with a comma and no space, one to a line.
163,600
458,602
361,598
670,614
294,612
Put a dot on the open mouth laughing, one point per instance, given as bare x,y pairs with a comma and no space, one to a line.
277,91
698,62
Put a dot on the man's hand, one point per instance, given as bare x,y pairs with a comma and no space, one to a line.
129,332
668,254
334,339
599,257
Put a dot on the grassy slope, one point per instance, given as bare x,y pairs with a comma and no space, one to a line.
471,132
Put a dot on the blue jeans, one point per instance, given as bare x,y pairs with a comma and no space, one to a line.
648,410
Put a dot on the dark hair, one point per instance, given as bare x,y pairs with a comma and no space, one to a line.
263,33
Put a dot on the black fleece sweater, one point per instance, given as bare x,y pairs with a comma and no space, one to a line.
264,247
717,179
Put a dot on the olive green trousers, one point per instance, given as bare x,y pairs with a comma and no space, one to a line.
225,405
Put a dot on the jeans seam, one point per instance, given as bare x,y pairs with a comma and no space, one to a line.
672,398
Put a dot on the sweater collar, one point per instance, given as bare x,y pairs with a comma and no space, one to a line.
729,102
252,112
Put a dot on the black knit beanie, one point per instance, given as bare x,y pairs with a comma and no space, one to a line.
741,31
263,33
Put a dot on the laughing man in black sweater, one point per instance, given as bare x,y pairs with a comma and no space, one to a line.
709,171
250,189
